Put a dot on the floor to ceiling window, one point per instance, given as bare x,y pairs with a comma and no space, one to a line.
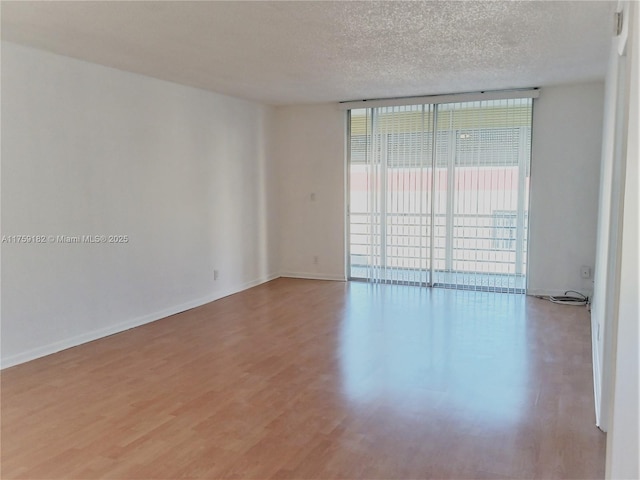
439,194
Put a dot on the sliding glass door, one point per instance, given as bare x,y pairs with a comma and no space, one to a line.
439,194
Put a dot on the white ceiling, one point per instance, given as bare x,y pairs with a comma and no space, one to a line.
306,52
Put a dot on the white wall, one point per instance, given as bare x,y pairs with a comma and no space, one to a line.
606,281
565,170
310,144
86,149
623,439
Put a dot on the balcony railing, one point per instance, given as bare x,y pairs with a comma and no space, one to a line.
469,250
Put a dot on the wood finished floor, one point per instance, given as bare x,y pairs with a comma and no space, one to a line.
313,379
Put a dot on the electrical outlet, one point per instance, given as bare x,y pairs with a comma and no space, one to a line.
315,259
585,271
216,273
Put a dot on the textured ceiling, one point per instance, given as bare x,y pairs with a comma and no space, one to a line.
307,52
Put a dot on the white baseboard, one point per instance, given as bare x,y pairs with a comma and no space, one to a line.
55,347
597,385
546,293
543,292
314,276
